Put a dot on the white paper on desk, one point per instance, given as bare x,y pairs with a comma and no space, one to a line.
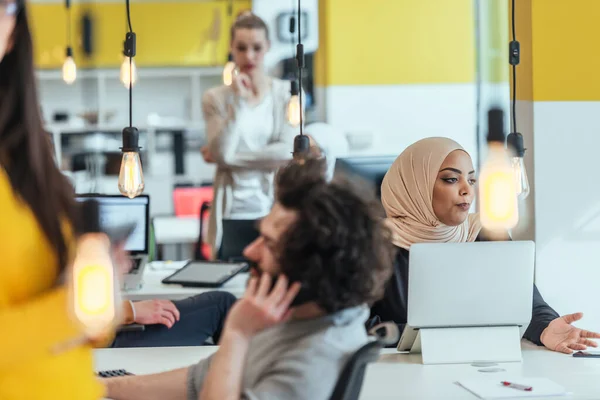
168,265
491,388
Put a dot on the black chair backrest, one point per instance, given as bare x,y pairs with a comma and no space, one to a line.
350,381
237,234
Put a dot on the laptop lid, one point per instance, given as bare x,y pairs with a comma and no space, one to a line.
470,284
117,210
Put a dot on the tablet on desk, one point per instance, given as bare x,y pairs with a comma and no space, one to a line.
205,273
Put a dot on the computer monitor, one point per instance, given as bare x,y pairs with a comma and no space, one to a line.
475,284
368,170
116,210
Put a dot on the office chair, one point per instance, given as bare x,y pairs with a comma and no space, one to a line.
350,382
199,250
237,234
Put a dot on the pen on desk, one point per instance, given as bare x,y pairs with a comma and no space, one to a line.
517,386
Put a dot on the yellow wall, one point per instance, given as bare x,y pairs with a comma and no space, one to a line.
380,42
169,33
560,55
566,53
320,55
523,32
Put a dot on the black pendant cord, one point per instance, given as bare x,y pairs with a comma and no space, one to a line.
130,91
130,70
230,19
515,139
300,56
478,83
514,72
128,16
301,141
68,7
292,29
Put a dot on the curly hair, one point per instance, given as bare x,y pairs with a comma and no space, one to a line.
339,246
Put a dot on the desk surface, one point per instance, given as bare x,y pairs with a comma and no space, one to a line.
176,230
153,288
395,375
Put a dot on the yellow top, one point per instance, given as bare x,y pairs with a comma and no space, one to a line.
34,318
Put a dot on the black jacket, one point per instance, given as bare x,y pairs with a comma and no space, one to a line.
393,306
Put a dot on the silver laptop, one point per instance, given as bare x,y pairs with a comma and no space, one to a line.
119,210
467,285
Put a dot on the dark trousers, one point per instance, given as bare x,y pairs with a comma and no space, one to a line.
201,317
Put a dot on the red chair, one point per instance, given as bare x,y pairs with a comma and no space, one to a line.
195,202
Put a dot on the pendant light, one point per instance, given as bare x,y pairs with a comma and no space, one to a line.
131,177
229,70
69,68
301,141
94,291
497,191
515,139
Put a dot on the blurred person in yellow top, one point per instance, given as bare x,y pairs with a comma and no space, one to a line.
42,355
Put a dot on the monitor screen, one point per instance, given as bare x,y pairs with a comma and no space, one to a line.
118,210
369,170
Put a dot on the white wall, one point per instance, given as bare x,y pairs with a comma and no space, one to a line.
398,115
567,213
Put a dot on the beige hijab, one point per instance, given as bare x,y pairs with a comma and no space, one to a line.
407,196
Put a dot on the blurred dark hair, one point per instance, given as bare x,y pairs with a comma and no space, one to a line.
339,247
25,148
248,20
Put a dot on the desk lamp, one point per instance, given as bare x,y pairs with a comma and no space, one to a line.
69,69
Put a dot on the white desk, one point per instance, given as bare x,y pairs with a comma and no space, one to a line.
395,375
153,288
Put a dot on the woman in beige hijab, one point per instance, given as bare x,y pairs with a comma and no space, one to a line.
427,194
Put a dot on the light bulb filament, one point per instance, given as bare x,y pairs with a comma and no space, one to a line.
131,178
293,111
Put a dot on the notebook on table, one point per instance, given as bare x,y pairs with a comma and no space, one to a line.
492,388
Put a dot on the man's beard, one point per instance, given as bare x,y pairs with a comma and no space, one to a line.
303,296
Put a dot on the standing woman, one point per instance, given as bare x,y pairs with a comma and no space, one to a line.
247,131
39,354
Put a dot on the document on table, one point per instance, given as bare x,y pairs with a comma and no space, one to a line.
168,265
492,388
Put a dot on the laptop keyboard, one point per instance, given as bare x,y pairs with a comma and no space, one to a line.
135,268
113,373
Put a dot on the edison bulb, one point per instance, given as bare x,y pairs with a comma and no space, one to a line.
498,192
131,177
95,298
521,180
128,74
69,70
228,73
293,111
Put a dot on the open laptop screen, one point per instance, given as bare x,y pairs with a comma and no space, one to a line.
118,210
